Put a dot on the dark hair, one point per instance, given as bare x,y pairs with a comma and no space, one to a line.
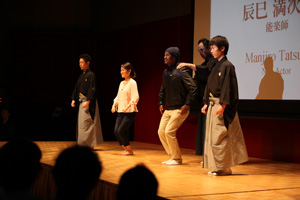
85,57
138,183
128,66
76,171
205,42
20,164
220,41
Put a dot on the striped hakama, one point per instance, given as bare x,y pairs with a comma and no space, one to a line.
89,131
223,148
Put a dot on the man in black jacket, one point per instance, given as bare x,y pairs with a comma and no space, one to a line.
179,90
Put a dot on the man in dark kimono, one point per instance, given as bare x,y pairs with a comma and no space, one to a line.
224,142
201,73
89,130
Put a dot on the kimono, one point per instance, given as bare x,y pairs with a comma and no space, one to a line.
88,130
224,142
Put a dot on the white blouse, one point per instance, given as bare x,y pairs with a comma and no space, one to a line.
127,97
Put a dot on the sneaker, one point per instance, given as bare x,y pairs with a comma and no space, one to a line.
165,162
173,162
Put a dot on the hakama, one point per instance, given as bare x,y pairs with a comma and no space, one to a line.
223,148
89,131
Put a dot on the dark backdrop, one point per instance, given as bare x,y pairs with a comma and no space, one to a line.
41,42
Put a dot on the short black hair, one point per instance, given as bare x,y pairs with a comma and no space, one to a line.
205,42
85,57
220,41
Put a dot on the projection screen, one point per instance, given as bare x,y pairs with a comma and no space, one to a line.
264,43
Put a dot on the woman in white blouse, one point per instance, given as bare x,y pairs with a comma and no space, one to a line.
125,106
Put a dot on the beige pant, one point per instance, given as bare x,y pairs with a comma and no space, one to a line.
169,123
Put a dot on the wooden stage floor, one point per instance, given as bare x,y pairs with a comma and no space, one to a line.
256,179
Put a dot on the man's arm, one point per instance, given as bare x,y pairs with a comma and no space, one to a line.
162,95
74,95
189,65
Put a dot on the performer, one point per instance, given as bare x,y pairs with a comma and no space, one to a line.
89,130
125,104
179,90
224,142
201,73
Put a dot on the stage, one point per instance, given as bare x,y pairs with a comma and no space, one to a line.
256,179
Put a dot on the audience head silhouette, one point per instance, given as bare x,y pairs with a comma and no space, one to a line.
138,183
76,171
20,164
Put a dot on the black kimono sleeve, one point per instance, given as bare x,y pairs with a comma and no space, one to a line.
75,93
91,93
229,92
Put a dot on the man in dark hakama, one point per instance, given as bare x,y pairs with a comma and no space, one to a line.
201,74
224,142
89,130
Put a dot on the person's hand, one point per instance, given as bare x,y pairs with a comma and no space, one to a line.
113,109
221,109
204,109
181,65
161,109
116,104
189,65
86,104
73,103
184,109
